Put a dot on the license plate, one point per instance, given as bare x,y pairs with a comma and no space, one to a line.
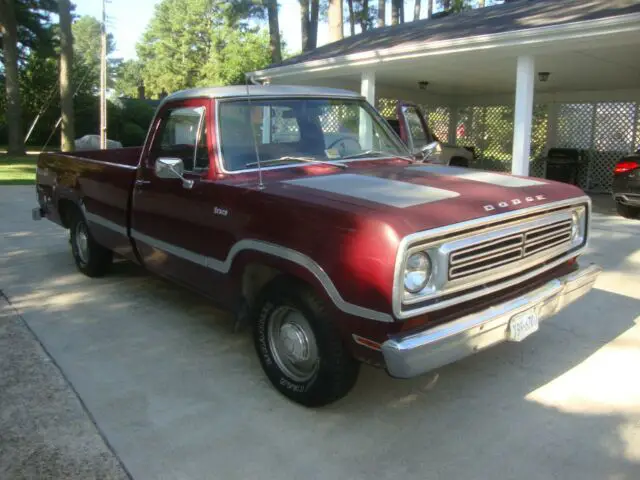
522,325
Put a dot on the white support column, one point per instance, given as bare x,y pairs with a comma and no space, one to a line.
525,78
368,86
368,91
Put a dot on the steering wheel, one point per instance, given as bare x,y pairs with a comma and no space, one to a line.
343,149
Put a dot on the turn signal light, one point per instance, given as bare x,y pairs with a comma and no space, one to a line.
625,166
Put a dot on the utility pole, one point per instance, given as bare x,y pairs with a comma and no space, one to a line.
103,78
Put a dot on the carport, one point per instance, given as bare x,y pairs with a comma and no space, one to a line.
510,80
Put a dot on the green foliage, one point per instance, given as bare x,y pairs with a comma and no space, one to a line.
35,27
128,78
127,119
455,6
196,42
235,52
37,81
132,134
86,50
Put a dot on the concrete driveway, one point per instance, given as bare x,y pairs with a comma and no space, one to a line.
178,395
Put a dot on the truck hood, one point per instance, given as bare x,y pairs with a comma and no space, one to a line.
419,197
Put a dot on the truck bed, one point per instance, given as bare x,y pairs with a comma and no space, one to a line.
103,179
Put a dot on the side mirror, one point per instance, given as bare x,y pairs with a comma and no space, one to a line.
172,168
429,151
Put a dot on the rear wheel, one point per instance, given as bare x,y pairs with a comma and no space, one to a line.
91,258
626,211
299,348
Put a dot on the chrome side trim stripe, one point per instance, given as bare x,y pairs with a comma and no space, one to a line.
248,244
103,222
223,266
170,248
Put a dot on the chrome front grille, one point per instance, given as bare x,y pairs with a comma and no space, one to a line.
484,256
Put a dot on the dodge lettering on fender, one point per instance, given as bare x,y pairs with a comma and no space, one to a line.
300,210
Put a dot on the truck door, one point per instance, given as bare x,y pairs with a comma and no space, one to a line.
414,126
170,216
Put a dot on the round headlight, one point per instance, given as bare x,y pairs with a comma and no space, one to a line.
417,272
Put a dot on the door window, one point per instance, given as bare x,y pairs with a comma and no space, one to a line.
184,136
417,131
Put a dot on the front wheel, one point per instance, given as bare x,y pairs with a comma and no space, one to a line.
626,211
299,348
90,257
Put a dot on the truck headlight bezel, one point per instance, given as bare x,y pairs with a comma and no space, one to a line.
578,225
418,269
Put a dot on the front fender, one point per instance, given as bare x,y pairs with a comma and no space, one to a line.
297,264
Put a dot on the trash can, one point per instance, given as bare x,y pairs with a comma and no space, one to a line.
563,164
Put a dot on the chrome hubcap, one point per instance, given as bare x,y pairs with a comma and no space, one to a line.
82,242
293,344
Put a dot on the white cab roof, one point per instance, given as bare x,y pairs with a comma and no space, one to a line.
261,91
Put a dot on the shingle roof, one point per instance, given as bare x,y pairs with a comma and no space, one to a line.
512,16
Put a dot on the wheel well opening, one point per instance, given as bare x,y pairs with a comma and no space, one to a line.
459,162
254,277
66,208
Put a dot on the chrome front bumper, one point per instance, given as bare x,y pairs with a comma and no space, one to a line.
417,353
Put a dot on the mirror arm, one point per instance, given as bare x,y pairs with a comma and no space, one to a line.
186,183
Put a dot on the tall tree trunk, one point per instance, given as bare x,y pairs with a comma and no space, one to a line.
67,129
364,15
416,11
335,20
304,24
8,27
274,31
313,24
429,8
395,13
381,13
352,19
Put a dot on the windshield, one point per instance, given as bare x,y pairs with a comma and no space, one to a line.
326,130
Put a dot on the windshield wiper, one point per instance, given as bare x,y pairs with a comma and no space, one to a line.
297,159
377,152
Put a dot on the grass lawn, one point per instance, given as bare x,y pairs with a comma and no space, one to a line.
18,170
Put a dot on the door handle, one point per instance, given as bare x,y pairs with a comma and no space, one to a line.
140,183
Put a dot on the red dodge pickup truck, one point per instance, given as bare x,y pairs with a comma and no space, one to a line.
302,211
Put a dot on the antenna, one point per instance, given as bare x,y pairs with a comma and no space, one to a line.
253,134
103,77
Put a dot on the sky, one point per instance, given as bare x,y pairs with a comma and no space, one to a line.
127,20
